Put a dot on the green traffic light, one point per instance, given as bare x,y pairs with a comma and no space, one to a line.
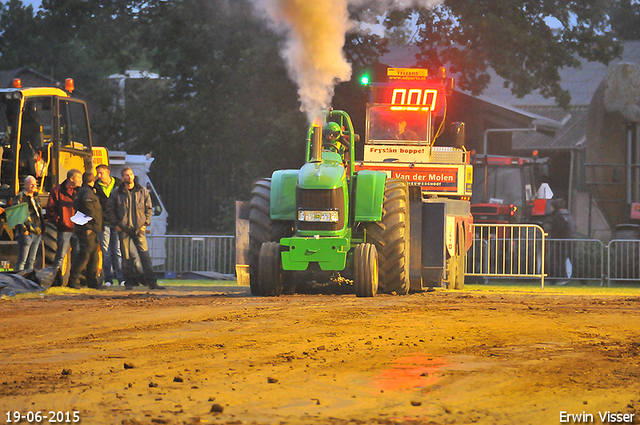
364,80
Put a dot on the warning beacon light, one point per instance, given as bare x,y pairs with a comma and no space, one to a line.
17,83
69,85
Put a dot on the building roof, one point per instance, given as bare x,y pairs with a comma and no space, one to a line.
29,77
571,134
581,83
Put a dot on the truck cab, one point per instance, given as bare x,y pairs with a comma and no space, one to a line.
505,189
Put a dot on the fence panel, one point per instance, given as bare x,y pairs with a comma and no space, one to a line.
507,250
624,259
579,259
192,253
515,251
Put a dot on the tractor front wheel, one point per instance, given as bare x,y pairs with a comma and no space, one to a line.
262,229
270,270
365,260
391,238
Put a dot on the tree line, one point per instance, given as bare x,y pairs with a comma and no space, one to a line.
225,112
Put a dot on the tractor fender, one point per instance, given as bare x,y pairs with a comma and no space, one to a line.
283,195
369,195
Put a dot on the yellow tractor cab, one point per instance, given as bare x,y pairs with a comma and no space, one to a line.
44,133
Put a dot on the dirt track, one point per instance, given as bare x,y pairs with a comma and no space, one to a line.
435,358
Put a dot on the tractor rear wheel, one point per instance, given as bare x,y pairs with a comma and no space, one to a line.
365,263
262,229
391,238
270,270
50,239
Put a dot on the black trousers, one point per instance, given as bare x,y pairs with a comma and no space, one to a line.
128,267
87,260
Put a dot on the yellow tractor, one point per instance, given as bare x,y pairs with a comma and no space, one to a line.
44,132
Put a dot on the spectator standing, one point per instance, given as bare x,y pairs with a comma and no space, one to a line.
562,224
29,234
562,227
88,256
130,210
59,212
109,242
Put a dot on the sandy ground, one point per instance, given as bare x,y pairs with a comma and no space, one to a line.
221,356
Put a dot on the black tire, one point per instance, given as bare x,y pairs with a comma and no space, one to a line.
391,238
50,238
365,263
262,229
270,270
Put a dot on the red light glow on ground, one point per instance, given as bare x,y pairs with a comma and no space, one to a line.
407,373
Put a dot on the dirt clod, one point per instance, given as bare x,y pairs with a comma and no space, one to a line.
216,408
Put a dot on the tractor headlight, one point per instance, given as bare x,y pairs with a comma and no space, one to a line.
319,216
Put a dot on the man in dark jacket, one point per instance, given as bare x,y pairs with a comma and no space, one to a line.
562,227
29,234
129,208
88,257
59,212
109,243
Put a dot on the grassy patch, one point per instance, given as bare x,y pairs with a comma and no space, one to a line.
196,282
177,283
550,286
58,290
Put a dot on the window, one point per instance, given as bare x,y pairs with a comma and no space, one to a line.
74,127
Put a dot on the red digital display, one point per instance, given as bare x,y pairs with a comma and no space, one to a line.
415,97
409,97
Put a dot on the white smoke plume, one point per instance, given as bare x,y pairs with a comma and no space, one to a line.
313,50
315,35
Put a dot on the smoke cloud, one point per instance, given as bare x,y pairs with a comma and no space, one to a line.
313,50
315,35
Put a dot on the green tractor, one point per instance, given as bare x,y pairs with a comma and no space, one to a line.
327,220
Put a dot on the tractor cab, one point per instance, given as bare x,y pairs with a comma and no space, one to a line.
43,133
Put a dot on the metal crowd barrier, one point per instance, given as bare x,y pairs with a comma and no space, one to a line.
576,259
624,260
507,250
524,252
513,251
192,253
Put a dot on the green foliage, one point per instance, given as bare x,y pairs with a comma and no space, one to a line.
625,19
225,111
228,116
513,38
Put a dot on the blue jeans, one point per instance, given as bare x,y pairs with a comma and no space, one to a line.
27,250
65,240
111,257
